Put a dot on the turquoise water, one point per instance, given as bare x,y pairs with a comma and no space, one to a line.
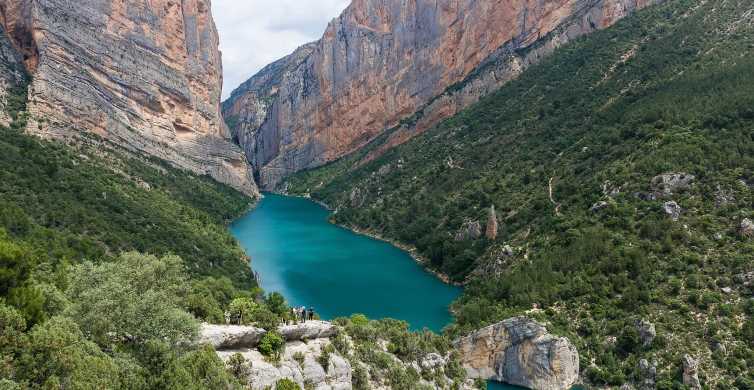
298,253
501,386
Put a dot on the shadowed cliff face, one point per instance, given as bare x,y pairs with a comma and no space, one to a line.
12,75
146,76
382,61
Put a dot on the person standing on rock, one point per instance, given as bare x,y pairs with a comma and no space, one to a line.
311,313
302,313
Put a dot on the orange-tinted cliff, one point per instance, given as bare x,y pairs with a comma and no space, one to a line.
146,76
382,61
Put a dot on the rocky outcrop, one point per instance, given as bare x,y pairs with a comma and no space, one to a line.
671,183
12,75
299,363
491,232
521,352
647,332
470,230
145,76
672,209
691,373
240,336
396,65
746,228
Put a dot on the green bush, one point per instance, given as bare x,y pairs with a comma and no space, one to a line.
272,345
286,384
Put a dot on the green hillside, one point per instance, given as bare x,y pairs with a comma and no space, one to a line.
669,90
77,312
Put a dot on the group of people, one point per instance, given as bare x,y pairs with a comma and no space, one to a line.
301,314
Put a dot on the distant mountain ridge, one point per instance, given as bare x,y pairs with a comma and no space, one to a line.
383,61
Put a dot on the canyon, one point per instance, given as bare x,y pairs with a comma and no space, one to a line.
399,66
142,76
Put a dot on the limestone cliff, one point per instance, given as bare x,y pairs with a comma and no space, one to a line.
519,351
146,76
384,61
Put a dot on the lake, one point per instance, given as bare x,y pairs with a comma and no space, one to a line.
312,262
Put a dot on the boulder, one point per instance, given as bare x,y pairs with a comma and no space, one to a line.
521,352
671,183
470,230
691,372
672,209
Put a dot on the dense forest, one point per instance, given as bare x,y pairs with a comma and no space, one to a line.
621,170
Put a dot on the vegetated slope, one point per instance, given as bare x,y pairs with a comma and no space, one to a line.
667,90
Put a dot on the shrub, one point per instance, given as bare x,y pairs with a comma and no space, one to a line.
286,384
272,345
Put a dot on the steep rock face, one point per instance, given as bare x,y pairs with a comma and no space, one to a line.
519,351
146,76
12,74
382,61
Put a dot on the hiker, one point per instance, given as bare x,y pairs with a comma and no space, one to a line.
227,317
311,313
302,313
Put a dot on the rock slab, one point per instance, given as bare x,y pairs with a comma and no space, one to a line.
521,352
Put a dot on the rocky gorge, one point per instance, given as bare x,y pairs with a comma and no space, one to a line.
144,76
399,66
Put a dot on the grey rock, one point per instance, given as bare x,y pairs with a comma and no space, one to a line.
691,372
357,198
599,206
724,197
746,228
648,374
672,209
308,330
670,183
647,332
746,279
645,196
727,290
263,374
470,230
230,336
223,337
520,351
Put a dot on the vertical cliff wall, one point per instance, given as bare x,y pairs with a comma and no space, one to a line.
12,76
145,75
383,61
